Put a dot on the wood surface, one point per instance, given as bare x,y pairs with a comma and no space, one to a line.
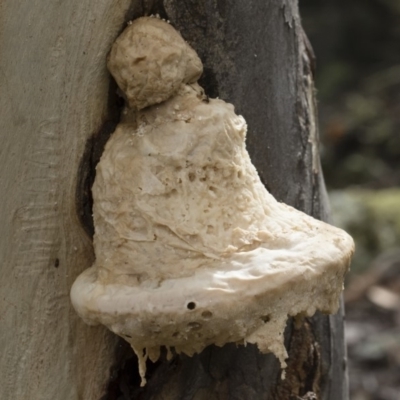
54,96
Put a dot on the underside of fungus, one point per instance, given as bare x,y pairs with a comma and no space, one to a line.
191,249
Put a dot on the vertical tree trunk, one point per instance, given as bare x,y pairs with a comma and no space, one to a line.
55,96
54,92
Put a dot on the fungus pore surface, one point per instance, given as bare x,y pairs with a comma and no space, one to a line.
191,249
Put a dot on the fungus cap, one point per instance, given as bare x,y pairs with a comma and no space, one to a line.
191,249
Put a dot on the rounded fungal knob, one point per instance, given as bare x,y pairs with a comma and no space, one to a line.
150,60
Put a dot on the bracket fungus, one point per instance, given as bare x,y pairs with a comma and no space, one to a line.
191,249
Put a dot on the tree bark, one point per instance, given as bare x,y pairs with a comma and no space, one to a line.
57,108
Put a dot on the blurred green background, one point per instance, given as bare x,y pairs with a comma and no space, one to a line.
357,46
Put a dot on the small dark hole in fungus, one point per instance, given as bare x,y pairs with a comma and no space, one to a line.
266,318
175,334
137,60
191,305
206,314
56,263
128,336
191,177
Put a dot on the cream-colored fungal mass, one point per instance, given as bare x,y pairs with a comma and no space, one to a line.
191,249
150,60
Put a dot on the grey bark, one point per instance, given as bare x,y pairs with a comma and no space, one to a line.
57,107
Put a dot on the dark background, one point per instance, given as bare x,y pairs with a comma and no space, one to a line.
357,45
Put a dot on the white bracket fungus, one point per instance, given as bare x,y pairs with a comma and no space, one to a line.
191,249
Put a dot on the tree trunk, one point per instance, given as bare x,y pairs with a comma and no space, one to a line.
57,109
54,93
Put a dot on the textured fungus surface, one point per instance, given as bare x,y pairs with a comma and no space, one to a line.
151,61
191,249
